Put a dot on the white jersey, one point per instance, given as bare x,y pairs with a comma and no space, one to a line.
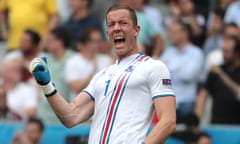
123,95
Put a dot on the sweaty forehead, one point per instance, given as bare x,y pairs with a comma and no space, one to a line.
117,15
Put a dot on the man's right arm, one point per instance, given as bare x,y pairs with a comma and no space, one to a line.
69,114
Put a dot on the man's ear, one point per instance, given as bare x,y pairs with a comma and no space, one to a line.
137,30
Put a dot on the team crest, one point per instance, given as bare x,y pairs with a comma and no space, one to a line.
130,68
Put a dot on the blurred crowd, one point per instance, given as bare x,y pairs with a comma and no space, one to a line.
199,43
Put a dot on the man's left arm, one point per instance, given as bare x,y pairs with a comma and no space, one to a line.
164,101
166,112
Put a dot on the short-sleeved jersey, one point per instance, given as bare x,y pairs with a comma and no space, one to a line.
123,95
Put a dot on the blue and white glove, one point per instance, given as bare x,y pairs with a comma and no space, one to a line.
39,69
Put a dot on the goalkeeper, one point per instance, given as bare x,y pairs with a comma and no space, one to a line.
121,97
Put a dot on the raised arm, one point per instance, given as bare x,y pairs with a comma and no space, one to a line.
164,102
69,114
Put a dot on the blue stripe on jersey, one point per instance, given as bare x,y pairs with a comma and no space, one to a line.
114,114
118,101
91,96
163,95
109,104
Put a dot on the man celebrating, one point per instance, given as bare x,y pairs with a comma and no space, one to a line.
121,97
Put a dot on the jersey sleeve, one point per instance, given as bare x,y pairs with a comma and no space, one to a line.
90,89
159,81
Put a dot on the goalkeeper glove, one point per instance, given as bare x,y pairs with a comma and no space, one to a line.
39,69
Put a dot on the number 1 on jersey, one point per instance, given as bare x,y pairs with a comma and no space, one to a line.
106,88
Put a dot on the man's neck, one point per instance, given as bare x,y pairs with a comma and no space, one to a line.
80,14
121,57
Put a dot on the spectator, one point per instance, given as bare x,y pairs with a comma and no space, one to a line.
232,13
40,16
59,54
184,10
215,57
226,106
154,15
80,19
6,114
148,31
185,62
88,61
214,40
33,134
28,49
21,98
204,138
153,44
231,29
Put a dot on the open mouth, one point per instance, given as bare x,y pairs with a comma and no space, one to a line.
119,40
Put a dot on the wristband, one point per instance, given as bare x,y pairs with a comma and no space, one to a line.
49,89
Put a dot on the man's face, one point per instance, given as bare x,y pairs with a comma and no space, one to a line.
121,31
53,44
78,4
228,50
26,45
12,72
175,33
186,6
232,31
216,23
33,132
95,42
